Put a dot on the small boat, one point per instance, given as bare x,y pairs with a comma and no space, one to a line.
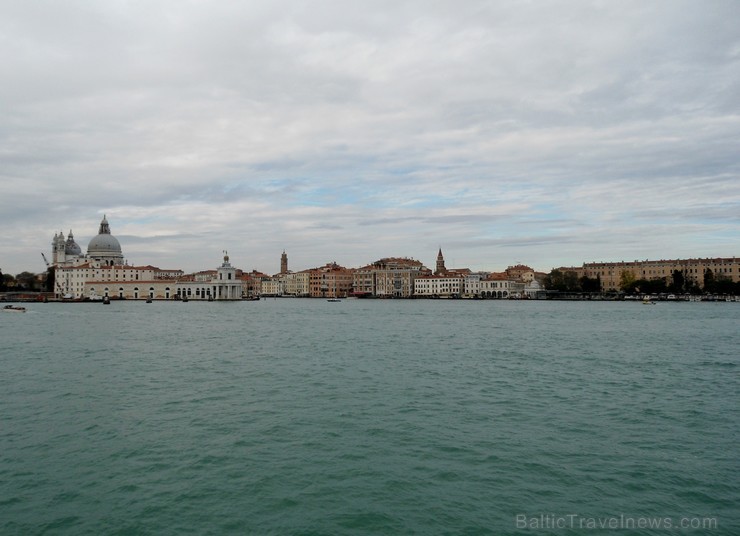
14,309
334,299
106,300
648,301
149,300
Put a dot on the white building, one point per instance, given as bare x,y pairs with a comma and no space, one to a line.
72,269
442,286
103,250
91,280
493,287
102,273
274,286
224,285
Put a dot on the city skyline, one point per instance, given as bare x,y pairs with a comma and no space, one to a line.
543,134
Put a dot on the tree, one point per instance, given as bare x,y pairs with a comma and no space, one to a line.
3,286
589,284
693,288
708,280
570,279
627,281
8,281
650,286
678,283
49,281
27,280
554,280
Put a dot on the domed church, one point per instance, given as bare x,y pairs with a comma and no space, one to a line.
103,249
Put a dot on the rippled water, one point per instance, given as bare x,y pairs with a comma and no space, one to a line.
366,417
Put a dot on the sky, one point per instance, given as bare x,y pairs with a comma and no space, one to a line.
548,133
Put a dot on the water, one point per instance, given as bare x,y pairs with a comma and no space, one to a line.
368,417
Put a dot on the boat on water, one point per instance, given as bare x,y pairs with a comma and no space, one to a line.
14,309
648,301
334,300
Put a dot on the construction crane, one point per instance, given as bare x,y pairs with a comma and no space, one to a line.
47,262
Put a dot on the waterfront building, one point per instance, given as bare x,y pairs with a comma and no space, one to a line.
156,289
472,287
534,290
102,271
439,286
296,284
272,287
520,272
693,270
390,277
287,284
224,285
363,282
91,280
330,281
496,285
252,283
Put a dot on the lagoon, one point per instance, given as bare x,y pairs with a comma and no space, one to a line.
300,416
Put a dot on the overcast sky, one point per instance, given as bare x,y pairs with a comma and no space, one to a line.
548,133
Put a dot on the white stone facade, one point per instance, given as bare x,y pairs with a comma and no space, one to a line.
223,286
439,286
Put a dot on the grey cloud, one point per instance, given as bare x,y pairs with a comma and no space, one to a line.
408,118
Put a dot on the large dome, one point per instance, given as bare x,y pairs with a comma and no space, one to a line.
103,244
105,247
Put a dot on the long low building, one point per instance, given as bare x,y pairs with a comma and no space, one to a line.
130,290
221,284
694,270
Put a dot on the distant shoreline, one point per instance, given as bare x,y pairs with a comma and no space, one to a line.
41,297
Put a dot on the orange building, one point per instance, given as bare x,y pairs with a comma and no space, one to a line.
330,281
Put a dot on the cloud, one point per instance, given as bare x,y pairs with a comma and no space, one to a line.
351,132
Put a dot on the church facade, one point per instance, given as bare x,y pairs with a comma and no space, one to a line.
102,272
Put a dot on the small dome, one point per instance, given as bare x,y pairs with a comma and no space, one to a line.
71,247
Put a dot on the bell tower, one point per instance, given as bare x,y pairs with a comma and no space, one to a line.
441,270
58,245
284,263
